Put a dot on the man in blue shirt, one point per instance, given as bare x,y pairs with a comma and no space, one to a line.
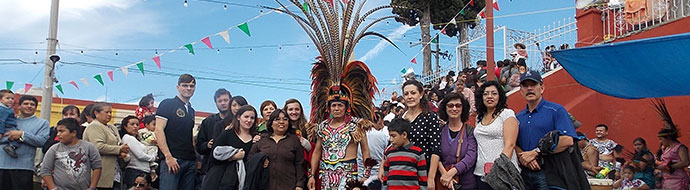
174,124
31,133
539,118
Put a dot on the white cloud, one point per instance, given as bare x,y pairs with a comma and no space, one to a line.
395,35
94,23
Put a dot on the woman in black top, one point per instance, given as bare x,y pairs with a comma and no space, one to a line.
426,128
222,174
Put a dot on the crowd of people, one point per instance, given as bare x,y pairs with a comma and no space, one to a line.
420,140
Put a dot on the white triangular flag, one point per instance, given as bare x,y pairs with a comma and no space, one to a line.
225,36
86,83
124,71
452,21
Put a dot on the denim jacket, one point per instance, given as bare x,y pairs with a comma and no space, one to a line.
7,119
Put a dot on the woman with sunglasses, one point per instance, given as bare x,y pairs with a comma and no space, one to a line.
142,182
496,131
284,153
458,145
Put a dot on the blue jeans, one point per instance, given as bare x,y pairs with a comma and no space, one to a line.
183,179
534,179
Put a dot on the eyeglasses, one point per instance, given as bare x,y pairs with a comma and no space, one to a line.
452,105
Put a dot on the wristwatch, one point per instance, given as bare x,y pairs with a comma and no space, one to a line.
537,150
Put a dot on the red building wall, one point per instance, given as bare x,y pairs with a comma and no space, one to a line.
627,119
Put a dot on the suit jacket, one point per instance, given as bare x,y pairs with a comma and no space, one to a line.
107,141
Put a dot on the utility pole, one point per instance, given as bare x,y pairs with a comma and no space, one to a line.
48,78
490,66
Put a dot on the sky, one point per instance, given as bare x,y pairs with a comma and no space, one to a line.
274,63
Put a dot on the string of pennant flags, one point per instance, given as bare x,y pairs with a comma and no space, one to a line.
244,27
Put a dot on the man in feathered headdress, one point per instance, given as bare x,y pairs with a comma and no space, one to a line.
335,154
342,90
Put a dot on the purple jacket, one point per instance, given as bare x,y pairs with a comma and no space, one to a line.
468,155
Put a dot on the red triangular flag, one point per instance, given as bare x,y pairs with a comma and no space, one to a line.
110,75
27,87
414,60
496,5
481,14
207,41
74,84
443,31
472,2
157,59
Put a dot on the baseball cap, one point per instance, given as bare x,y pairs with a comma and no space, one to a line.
531,75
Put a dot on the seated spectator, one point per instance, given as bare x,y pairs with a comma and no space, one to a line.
643,162
590,155
604,146
628,181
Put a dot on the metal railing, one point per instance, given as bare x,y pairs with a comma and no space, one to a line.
560,34
621,19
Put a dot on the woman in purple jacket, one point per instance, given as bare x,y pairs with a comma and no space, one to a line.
457,163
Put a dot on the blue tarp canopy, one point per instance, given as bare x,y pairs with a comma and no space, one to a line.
646,68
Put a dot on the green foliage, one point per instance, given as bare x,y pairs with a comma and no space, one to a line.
441,12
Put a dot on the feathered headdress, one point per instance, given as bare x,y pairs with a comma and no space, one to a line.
669,128
334,27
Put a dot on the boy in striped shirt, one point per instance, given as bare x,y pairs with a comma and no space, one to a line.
404,164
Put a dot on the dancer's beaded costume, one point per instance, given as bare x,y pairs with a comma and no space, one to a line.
333,27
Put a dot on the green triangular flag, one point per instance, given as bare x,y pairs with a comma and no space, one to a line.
305,6
9,85
59,87
435,40
190,48
462,12
403,71
140,65
245,28
99,78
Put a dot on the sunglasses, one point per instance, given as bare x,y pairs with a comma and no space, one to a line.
452,105
139,185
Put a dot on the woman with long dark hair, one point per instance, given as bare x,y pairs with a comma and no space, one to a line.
140,159
643,162
496,131
284,153
222,174
458,145
425,125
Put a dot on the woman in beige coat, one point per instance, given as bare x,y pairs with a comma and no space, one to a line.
107,141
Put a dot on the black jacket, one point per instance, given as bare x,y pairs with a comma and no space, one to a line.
257,176
207,131
504,175
562,169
